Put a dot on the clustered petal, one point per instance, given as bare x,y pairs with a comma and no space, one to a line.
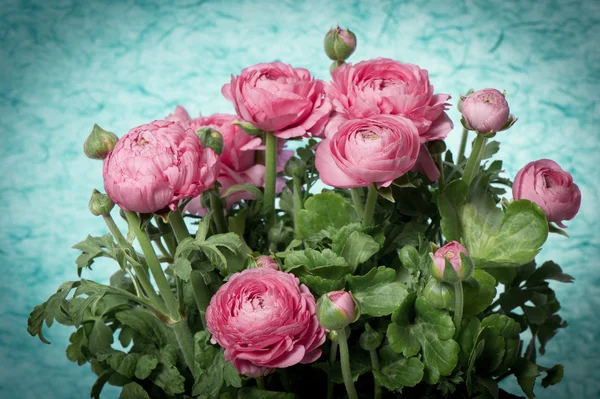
156,165
265,320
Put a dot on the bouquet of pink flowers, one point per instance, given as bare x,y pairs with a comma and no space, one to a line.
411,274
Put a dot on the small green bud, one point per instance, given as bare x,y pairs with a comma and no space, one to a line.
339,44
439,294
248,128
451,263
337,309
370,339
211,139
100,204
295,167
99,143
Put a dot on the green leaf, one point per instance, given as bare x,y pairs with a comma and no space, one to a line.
358,249
182,268
210,367
467,337
101,337
431,333
397,371
360,363
548,271
133,391
377,292
255,393
494,238
479,293
526,373
323,212
55,308
99,384
92,248
231,376
320,286
167,377
255,191
129,364
147,325
490,149
510,330
79,344
409,256
554,375
325,264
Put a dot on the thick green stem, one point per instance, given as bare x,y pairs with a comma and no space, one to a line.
270,176
458,307
463,145
441,182
162,249
218,213
298,203
332,357
358,204
201,294
375,365
472,166
180,328
370,206
345,360
260,382
178,225
141,274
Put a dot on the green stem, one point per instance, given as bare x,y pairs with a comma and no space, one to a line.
162,248
441,181
201,294
218,213
463,146
139,269
181,328
345,360
332,357
375,364
474,160
270,176
178,225
370,206
458,307
298,203
260,382
358,204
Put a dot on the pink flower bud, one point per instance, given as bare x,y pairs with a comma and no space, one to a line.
336,310
485,111
550,187
451,252
267,261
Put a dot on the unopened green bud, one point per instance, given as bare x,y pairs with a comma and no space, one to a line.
248,128
211,139
370,339
339,44
295,167
439,294
451,263
337,309
100,204
99,143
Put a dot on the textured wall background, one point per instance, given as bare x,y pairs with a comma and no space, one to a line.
67,64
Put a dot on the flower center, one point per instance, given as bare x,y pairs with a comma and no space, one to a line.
548,181
368,135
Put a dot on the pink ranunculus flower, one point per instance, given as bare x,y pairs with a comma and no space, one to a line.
451,252
486,111
551,188
238,159
386,87
156,165
278,98
378,150
265,320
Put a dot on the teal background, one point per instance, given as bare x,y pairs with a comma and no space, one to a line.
65,65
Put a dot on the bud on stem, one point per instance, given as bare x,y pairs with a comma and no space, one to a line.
211,139
99,143
100,204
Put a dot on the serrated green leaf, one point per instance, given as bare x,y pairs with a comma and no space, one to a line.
479,292
167,377
325,211
490,149
494,238
55,308
182,268
146,324
231,376
410,258
397,371
526,373
76,350
467,337
326,264
548,271
377,292
101,337
554,375
320,286
133,391
358,248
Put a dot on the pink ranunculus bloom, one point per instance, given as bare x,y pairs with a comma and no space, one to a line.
265,320
238,159
156,165
378,150
451,252
267,261
386,87
551,188
485,111
278,98
343,301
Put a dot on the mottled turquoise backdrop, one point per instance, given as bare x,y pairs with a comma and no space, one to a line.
65,65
